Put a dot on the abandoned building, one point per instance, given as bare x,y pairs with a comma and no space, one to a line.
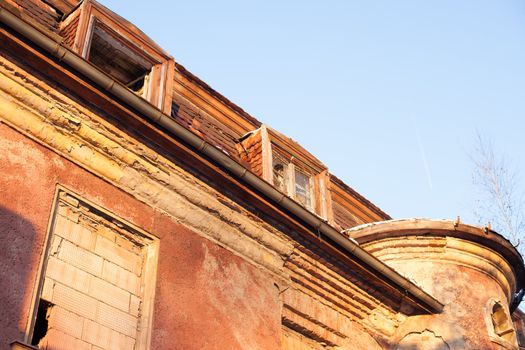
141,209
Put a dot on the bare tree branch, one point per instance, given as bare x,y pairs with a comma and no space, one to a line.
500,201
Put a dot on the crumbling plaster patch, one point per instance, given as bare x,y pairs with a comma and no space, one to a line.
425,340
26,105
51,119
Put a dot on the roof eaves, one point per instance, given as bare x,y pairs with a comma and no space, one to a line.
360,197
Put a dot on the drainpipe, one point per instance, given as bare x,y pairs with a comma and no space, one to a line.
123,94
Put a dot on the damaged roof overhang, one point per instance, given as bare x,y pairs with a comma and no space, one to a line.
324,234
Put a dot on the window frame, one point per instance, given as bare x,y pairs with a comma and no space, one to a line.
145,323
160,84
290,181
295,157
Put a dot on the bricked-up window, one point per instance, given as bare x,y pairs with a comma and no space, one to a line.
98,281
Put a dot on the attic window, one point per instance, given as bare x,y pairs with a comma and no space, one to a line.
303,188
279,176
292,180
118,58
122,51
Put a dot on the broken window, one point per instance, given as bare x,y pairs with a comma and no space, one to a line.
120,50
118,58
292,180
279,176
303,191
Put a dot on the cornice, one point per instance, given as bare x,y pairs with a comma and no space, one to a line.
53,120
446,241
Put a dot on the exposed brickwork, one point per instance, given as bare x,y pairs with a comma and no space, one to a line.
69,31
93,280
226,279
251,151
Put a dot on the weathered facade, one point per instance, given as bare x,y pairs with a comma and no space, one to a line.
141,209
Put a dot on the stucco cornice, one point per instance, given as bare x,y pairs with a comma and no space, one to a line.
467,245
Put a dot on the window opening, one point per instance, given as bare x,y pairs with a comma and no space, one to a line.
41,323
303,192
279,177
290,179
502,325
113,55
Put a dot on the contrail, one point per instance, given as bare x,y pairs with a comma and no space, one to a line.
423,154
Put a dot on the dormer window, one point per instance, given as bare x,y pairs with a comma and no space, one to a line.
290,177
120,50
288,167
113,55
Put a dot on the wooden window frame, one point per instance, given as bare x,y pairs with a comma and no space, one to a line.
160,82
297,158
290,183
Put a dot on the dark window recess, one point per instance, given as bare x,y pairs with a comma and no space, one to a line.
174,109
118,58
521,338
279,177
41,322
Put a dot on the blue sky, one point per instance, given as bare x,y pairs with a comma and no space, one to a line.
388,94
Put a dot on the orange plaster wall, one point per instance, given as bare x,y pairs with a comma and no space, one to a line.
206,297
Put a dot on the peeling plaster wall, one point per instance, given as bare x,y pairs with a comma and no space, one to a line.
463,275
194,274
221,270
199,283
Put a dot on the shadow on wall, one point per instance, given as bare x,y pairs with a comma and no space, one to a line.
17,240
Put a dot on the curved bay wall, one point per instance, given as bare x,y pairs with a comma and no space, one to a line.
470,278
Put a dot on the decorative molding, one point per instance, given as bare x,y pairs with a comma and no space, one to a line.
447,250
52,119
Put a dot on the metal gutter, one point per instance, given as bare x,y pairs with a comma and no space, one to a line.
123,94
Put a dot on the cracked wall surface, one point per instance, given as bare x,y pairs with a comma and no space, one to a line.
229,275
215,256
